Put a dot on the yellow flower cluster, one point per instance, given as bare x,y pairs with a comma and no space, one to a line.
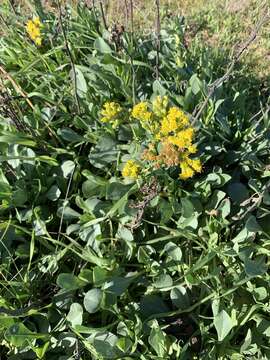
173,137
110,113
131,169
141,113
33,28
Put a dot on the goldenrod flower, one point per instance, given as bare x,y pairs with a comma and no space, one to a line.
33,28
110,113
131,169
186,171
195,164
141,113
183,138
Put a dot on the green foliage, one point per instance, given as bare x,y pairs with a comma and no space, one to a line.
79,280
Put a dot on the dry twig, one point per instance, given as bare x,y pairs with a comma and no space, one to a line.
69,55
158,37
16,86
149,192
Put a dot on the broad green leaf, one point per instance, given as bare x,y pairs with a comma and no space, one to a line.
67,167
101,45
75,314
69,281
19,335
180,297
238,192
92,300
157,340
80,82
53,193
163,281
9,138
255,267
173,251
223,324
158,88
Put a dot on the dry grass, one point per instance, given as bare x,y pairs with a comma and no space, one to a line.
221,23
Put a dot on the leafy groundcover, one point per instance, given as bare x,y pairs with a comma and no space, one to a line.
128,230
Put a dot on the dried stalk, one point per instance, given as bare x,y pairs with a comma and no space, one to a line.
69,55
149,192
126,13
103,15
16,86
132,20
157,38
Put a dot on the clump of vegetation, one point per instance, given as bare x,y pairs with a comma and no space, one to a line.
134,194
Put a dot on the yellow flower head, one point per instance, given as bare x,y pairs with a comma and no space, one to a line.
110,113
141,113
182,139
160,106
33,28
131,169
178,115
186,171
175,120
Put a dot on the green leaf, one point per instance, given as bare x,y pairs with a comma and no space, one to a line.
173,251
152,304
69,281
9,138
106,345
124,344
67,168
70,135
118,285
215,199
80,82
238,192
115,190
158,89
19,335
75,314
157,340
53,193
223,324
102,46
255,267
187,208
195,84
180,297
163,281
252,225
224,208
92,300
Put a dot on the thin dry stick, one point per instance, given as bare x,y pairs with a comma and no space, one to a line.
126,13
103,15
16,86
230,68
4,21
132,20
130,55
12,6
69,55
158,37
